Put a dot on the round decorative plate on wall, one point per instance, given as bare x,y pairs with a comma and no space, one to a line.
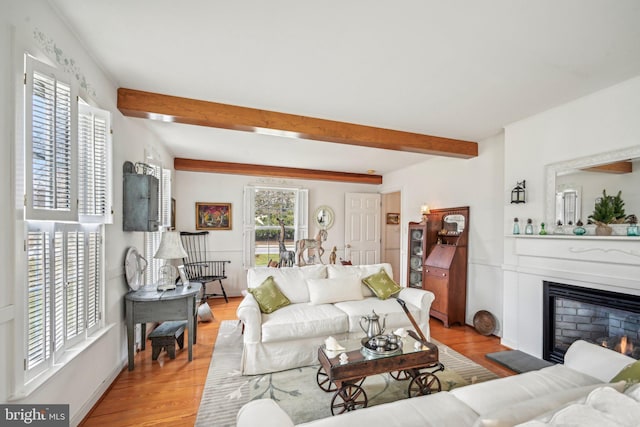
134,266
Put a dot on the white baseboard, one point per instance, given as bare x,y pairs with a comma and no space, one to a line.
97,394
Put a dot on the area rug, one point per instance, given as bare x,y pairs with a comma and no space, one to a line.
518,361
296,390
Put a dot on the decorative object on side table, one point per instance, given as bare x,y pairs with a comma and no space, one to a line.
579,230
607,210
516,226
543,232
632,229
170,248
559,228
529,227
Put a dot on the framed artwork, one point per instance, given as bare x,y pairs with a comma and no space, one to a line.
213,216
173,213
393,218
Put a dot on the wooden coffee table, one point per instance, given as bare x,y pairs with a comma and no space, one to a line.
409,363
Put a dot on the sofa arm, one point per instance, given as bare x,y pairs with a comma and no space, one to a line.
263,412
249,313
594,360
422,300
418,297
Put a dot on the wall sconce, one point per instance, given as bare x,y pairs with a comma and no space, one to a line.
425,211
518,192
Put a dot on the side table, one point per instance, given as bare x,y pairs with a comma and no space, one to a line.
150,305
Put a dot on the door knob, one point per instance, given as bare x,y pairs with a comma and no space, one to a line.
348,246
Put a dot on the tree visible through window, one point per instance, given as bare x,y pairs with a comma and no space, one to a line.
272,205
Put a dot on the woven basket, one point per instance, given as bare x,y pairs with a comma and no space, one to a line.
484,322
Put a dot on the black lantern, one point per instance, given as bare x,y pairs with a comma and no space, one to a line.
518,193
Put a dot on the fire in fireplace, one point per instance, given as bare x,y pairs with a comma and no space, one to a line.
570,313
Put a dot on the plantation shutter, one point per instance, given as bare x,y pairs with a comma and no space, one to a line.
152,239
38,320
58,291
94,278
165,200
75,285
50,162
94,160
249,227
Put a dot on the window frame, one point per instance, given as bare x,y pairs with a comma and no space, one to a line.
301,226
57,345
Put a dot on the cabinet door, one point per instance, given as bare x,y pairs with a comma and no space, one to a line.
416,255
438,283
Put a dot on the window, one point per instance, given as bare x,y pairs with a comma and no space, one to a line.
264,207
67,158
152,239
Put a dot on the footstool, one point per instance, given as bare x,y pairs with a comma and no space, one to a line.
165,336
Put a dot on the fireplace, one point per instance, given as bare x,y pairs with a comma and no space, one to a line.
570,313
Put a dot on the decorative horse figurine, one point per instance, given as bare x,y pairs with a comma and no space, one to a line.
287,257
315,243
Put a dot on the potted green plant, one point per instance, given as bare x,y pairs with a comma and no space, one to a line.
608,210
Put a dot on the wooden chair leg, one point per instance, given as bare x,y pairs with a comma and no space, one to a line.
224,294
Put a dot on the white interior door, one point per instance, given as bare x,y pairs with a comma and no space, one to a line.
362,228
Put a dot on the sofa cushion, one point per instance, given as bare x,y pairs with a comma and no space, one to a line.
435,410
603,407
290,280
381,284
493,395
520,412
388,309
269,296
327,291
362,270
303,320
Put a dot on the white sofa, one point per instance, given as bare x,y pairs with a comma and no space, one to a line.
324,303
549,396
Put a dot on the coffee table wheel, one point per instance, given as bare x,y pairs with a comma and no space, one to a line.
423,384
323,381
400,375
348,398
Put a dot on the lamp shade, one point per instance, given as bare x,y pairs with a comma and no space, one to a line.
424,210
170,246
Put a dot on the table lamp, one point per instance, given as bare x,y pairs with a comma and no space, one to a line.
170,248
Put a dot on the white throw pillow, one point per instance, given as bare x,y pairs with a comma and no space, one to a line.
328,291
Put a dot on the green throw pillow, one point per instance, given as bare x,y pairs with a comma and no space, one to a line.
381,284
630,374
269,296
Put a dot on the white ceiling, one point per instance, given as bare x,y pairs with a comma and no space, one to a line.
458,68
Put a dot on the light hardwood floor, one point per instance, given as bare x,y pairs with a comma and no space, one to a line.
167,392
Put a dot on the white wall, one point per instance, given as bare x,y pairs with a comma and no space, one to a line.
477,183
603,121
192,187
82,381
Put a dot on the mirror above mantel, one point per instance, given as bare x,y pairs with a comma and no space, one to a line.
573,186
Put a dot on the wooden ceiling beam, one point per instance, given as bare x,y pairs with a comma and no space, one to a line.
135,103
192,165
615,168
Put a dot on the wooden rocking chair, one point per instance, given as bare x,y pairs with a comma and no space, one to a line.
197,267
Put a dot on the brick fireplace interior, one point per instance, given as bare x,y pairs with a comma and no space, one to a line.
607,318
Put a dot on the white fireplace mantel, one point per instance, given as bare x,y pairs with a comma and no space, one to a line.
609,263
